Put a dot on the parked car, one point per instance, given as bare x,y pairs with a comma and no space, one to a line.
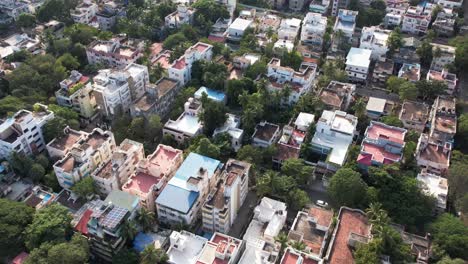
321,203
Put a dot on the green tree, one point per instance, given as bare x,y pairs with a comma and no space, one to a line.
209,10
448,260
298,245
282,239
394,83
395,41
213,115
85,187
254,70
367,253
69,62
451,235
152,255
42,160
21,163
36,172
51,224
250,154
359,108
129,230
146,219
126,256
81,33
347,188
458,179
298,199
26,20
56,9
425,53
392,120
50,180
408,91
429,90
75,251
297,169
14,217
204,147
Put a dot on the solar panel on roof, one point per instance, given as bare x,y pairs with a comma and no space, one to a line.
114,217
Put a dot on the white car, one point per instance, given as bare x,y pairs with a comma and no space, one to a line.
321,203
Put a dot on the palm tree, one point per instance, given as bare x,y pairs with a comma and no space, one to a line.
378,217
152,255
129,230
282,238
359,108
299,245
146,219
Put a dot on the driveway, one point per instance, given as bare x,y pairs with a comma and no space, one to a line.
244,216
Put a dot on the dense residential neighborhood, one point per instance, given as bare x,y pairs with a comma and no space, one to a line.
233,132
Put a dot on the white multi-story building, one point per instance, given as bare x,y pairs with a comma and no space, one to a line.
181,69
299,82
357,64
436,186
444,76
188,124
61,145
14,8
416,20
334,134
185,247
84,157
182,198
268,220
265,134
450,4
152,175
289,29
221,249
410,72
237,29
375,39
116,52
107,15
22,133
313,29
113,174
344,26
296,5
182,16
85,13
339,4
444,56
76,92
115,90
223,203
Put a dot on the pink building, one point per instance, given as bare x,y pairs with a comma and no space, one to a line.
152,175
383,144
221,249
293,256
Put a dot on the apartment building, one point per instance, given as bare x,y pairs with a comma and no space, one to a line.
14,8
445,56
375,39
450,79
444,25
435,186
334,134
84,157
382,71
416,20
220,209
181,69
357,64
182,16
101,222
382,145
115,90
294,256
443,120
312,227
76,92
410,71
450,4
152,175
17,42
61,145
269,22
337,5
107,15
289,29
296,5
117,52
414,115
187,125
185,247
182,198
85,13
268,220
157,99
352,229
22,133
299,82
313,29
345,24
237,29
337,95
112,175
265,134
221,248
432,156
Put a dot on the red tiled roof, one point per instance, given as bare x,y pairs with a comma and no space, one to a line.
323,216
216,39
290,258
180,63
84,79
142,182
82,225
350,222
379,154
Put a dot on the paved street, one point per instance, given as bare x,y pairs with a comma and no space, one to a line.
367,91
245,215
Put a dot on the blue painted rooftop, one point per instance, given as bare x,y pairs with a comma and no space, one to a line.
177,198
212,94
192,164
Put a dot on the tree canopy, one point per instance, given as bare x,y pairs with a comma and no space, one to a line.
347,188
